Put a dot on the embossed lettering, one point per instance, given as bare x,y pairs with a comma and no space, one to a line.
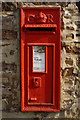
31,18
49,18
40,18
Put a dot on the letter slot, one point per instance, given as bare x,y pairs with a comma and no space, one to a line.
41,28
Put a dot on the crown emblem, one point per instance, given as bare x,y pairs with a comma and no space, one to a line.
41,18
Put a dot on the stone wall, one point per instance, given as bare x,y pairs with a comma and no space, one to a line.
70,61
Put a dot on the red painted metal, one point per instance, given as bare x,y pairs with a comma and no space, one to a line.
40,90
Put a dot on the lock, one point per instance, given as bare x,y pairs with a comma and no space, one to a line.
37,82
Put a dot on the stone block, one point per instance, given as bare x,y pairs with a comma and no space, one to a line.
67,72
69,61
9,67
72,48
9,34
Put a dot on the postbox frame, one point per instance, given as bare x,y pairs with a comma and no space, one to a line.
25,49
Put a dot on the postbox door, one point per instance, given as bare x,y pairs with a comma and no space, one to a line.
41,73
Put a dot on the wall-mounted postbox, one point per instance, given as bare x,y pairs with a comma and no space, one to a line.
40,59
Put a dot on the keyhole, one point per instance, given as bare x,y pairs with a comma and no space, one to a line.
36,80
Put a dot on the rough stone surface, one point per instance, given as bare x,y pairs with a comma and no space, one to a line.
70,61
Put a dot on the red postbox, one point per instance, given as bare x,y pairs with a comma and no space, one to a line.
40,59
